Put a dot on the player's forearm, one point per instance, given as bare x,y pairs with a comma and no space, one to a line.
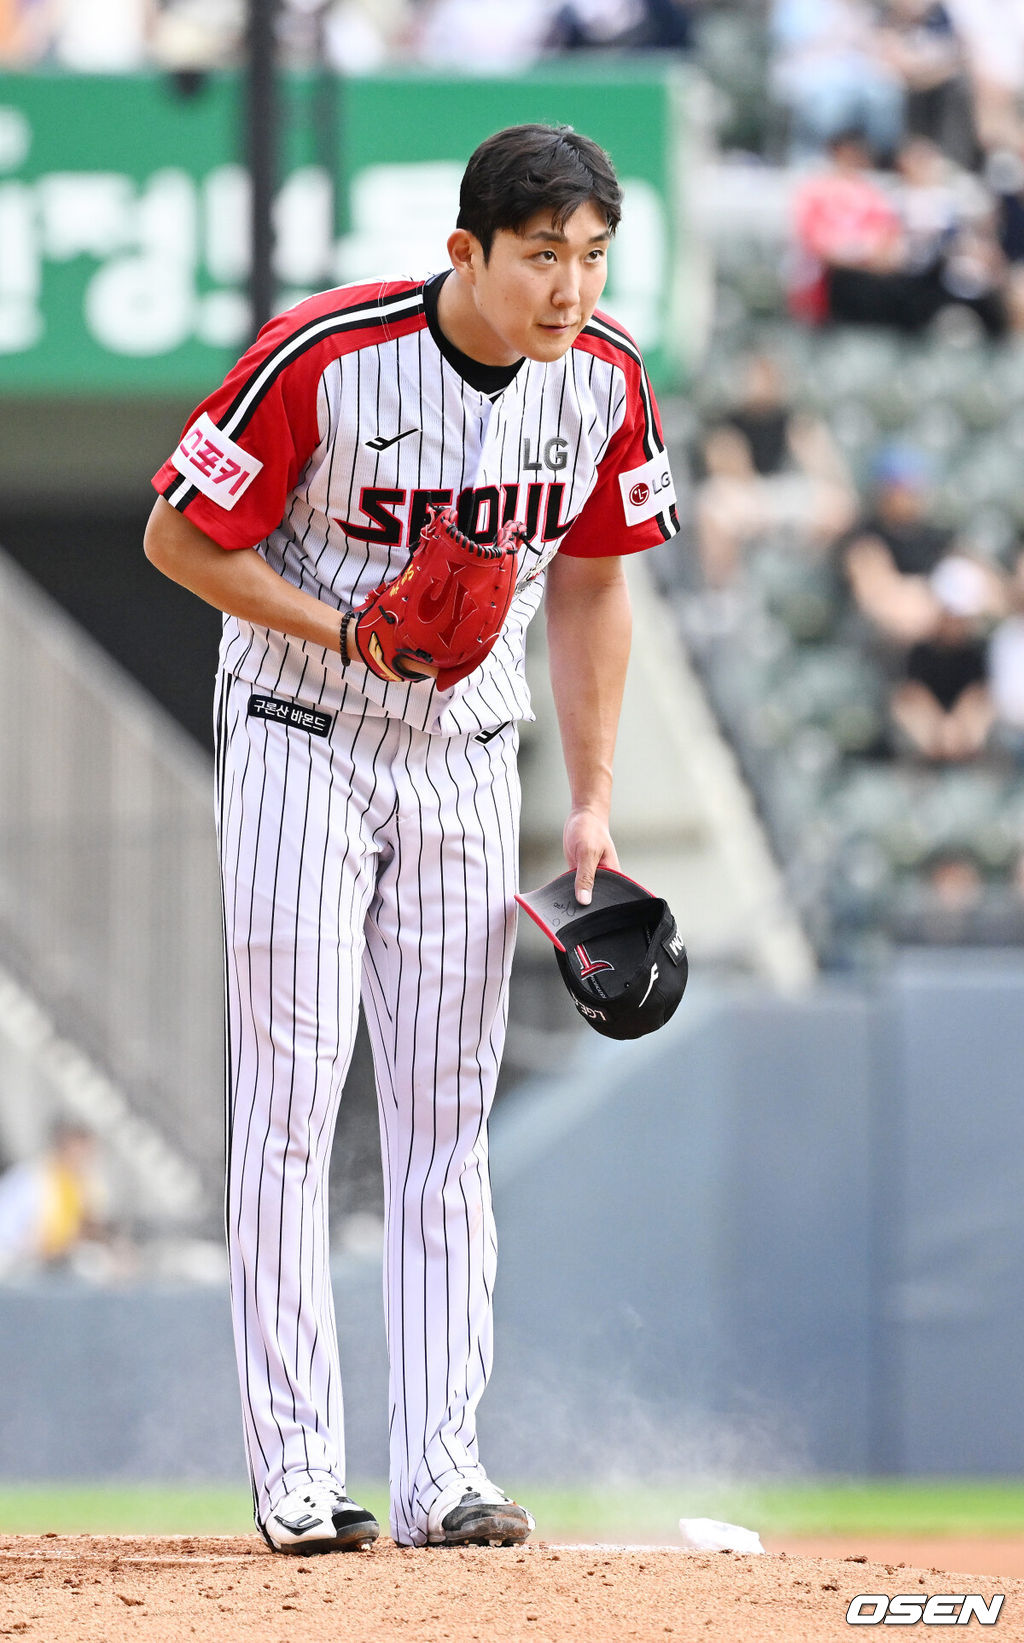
237,581
589,627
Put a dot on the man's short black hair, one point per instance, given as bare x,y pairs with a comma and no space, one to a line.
846,136
530,168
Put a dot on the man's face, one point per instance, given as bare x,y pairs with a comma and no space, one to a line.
902,502
538,288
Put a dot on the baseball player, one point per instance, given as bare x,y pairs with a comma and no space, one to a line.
366,779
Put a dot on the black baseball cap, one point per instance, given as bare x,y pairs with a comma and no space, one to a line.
621,957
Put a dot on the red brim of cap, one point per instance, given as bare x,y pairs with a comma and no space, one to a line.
554,905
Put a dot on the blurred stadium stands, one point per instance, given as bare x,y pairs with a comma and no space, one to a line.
861,823
111,997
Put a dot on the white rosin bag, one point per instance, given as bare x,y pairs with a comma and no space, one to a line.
706,1534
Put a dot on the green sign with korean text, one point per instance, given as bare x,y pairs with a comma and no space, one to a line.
124,207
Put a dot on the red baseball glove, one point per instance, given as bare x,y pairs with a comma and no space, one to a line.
444,611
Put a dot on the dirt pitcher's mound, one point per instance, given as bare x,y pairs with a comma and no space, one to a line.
94,1589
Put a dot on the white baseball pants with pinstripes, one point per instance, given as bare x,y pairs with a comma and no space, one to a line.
382,861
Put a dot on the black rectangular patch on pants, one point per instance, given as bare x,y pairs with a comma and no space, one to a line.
292,714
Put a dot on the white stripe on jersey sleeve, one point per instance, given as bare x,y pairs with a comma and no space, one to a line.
402,306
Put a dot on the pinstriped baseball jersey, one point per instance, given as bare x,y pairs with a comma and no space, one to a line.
345,421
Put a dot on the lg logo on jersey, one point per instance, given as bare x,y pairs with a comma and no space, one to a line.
647,491
642,493
555,456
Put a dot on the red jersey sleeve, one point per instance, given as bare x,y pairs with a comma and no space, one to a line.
245,447
633,503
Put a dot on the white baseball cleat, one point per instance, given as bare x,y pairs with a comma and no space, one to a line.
477,1514
317,1518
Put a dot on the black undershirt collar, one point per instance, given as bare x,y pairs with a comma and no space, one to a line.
486,379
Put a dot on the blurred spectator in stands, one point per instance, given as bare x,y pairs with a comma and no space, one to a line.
195,36
481,36
952,254
849,238
351,36
929,605
623,25
919,41
892,549
1006,664
939,905
1004,175
992,32
50,1205
768,466
362,36
830,72
102,36
26,31
943,704
952,903
894,255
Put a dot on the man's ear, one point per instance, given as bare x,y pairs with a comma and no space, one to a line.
466,253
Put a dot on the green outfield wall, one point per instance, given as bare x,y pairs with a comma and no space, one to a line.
124,210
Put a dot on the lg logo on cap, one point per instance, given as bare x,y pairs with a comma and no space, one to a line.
589,1011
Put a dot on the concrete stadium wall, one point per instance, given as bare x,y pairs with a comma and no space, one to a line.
782,1235
777,1236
